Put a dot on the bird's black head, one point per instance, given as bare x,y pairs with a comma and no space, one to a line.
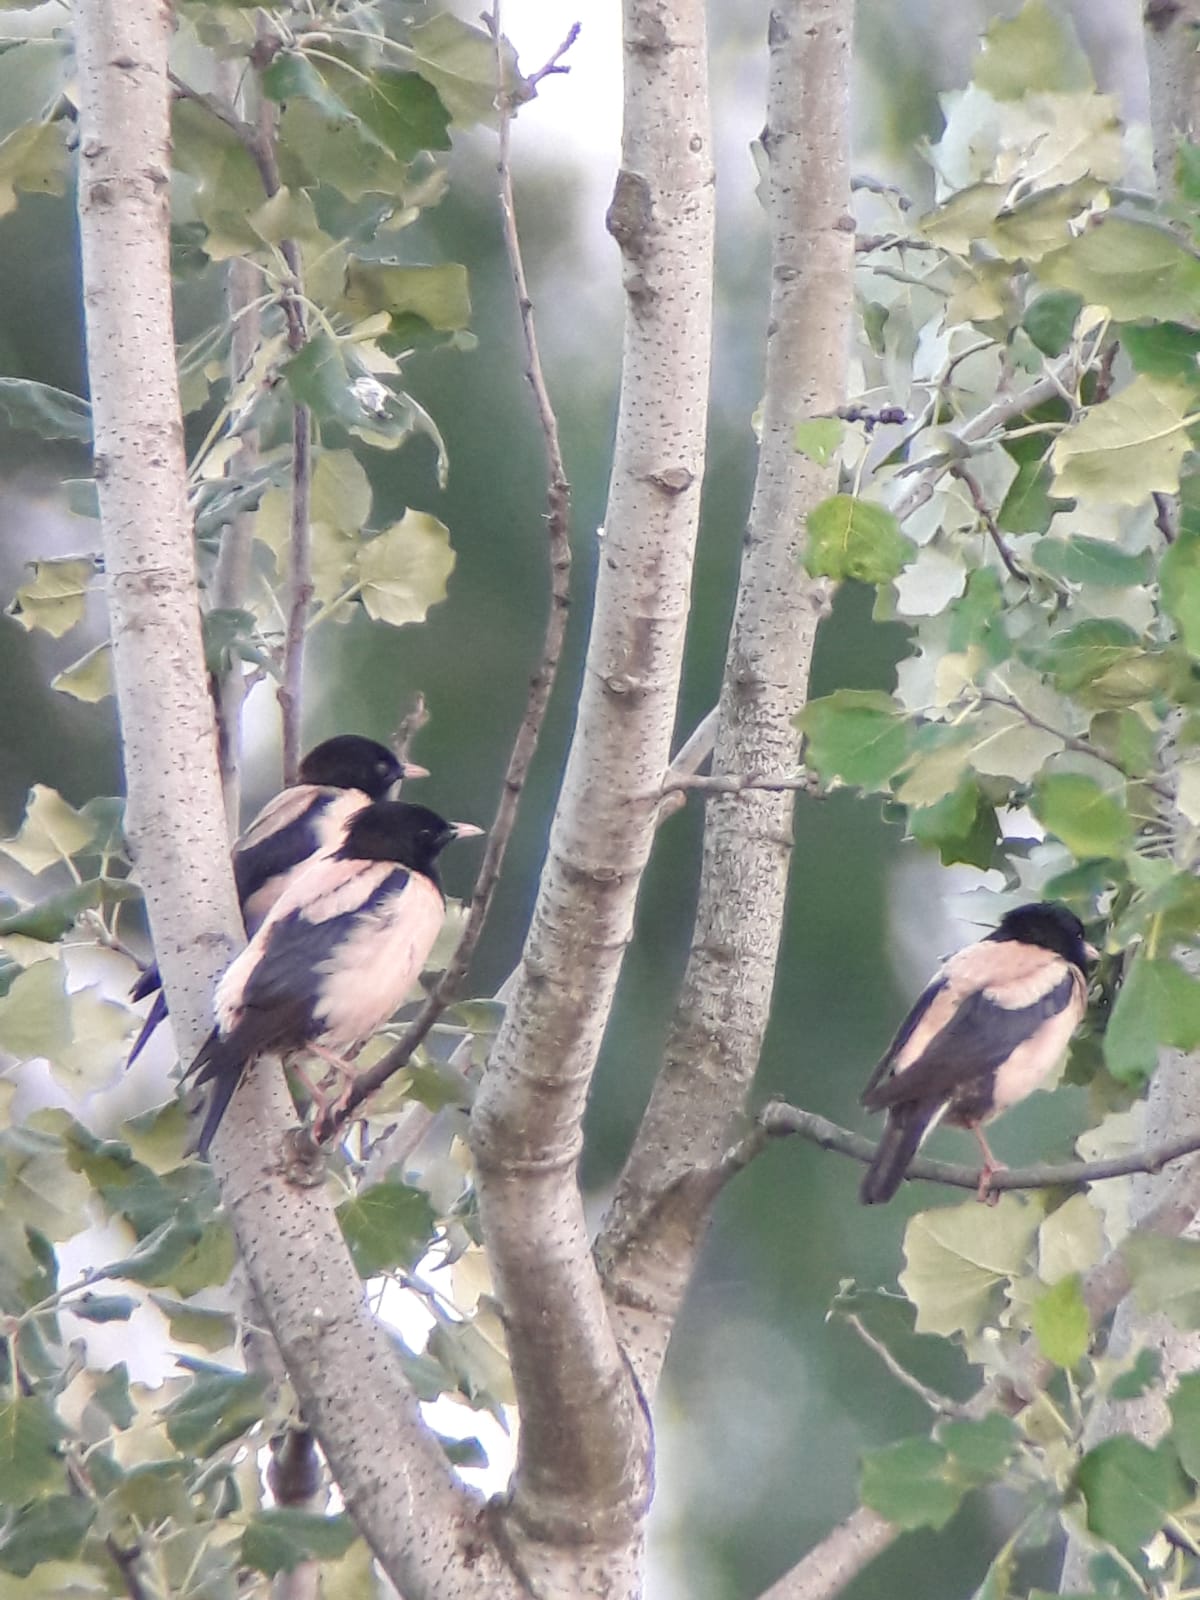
1051,925
351,762
394,830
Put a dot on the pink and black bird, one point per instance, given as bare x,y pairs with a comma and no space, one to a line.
337,779
986,1032
337,953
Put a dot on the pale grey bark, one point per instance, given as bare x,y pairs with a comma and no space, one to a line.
423,1526
583,1472
837,1560
648,1246
1170,37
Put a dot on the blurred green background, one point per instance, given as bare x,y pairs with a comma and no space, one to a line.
765,1406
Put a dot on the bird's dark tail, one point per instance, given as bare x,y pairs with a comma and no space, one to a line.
906,1127
222,1067
156,1014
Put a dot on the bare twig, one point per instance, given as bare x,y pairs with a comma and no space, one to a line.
554,64
978,500
410,725
939,1403
558,527
838,1558
779,1120
1065,372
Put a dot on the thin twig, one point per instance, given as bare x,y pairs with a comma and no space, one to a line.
558,519
410,725
216,107
779,1120
1079,746
982,426
554,64
975,490
939,1403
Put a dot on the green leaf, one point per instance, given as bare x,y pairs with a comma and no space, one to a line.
981,1449
1129,1489
387,1225
29,1459
103,1307
1036,51
50,413
56,599
89,679
957,1259
158,1255
51,832
1079,559
192,1324
909,1484
1165,1274
279,1539
403,110
460,62
1060,1322
216,1408
438,295
1089,821
35,1018
858,735
1185,1422
1029,507
1179,578
34,159
1145,1372
50,1529
1158,1003
1101,662
1136,269
50,918
1129,446
853,538
1050,319
403,570
819,438
1162,349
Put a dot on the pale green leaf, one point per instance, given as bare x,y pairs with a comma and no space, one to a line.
89,679
34,159
460,62
29,1435
1035,50
51,413
1179,578
35,1014
1004,745
438,295
1128,447
56,599
957,1258
1129,1489
1135,269
1166,1276
197,1325
819,438
403,570
911,1484
1158,1003
51,832
1060,1322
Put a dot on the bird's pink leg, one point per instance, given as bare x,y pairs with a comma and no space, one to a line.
991,1165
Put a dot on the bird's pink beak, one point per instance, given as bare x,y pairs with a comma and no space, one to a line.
1091,952
467,830
412,770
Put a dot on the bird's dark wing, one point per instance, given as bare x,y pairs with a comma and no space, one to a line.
903,1034
156,1014
976,1038
286,832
